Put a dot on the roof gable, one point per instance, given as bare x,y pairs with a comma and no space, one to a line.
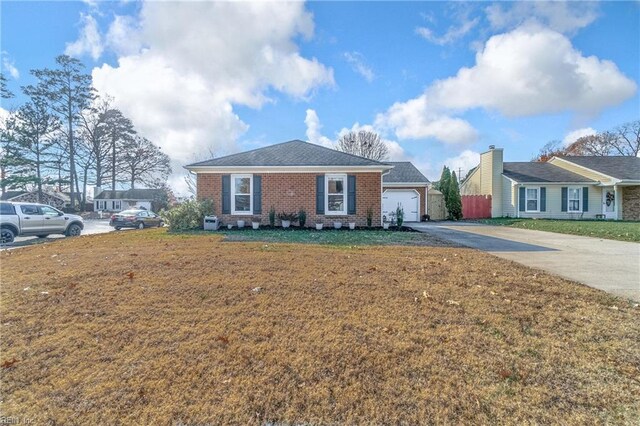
539,172
617,167
404,171
288,154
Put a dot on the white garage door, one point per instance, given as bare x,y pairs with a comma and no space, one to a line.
408,200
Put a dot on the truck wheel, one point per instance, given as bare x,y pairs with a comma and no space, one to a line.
160,224
118,228
43,236
141,225
7,235
73,230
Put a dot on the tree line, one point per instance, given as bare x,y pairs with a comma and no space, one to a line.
622,140
69,136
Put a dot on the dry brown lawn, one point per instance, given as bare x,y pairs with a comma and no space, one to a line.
150,328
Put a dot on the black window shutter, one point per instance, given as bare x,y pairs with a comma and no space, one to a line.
521,199
257,194
226,194
585,199
320,194
543,199
351,194
565,199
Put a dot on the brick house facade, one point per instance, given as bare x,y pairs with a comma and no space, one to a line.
329,185
290,192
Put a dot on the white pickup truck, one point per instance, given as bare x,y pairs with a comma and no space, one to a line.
29,219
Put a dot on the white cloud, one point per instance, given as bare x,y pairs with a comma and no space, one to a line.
533,70
562,16
199,60
123,36
452,34
312,122
89,41
417,119
574,135
9,65
462,163
358,65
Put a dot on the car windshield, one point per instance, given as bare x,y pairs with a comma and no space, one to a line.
130,212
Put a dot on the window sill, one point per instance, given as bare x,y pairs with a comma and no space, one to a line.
241,214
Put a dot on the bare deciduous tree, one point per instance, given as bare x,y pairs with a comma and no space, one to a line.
144,162
627,141
365,144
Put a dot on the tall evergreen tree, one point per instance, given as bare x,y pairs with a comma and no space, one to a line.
120,133
68,91
455,202
32,138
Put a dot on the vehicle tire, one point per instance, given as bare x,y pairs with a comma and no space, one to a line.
74,230
160,224
141,225
118,228
7,236
43,236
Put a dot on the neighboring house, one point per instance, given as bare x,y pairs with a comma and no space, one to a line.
573,187
329,185
119,200
59,200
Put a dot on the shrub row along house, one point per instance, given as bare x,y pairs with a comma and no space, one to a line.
329,185
572,187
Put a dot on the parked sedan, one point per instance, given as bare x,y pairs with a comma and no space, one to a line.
135,219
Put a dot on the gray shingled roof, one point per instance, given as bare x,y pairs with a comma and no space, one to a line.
130,194
618,167
292,153
541,172
403,171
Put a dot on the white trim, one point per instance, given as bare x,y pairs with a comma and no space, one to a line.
233,194
345,190
526,199
288,169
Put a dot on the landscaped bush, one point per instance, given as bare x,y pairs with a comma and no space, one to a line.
302,217
188,216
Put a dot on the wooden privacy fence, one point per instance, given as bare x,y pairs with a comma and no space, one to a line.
435,205
476,206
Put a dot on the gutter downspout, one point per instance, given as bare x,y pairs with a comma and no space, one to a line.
517,198
382,175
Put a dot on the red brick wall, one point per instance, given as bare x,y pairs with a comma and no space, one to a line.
291,191
423,194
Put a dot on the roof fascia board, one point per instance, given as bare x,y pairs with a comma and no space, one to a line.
606,176
287,169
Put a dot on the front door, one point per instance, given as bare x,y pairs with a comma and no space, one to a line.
609,203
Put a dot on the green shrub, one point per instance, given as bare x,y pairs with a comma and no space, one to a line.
399,216
188,216
369,217
302,217
272,216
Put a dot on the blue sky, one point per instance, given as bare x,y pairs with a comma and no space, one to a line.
222,77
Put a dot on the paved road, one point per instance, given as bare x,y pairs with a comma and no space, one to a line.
612,266
93,226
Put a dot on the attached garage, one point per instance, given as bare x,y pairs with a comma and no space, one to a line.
404,186
408,200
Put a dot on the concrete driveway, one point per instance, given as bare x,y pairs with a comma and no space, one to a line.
612,266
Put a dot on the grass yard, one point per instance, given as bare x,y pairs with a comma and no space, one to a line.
610,230
146,327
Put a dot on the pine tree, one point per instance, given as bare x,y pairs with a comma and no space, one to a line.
455,202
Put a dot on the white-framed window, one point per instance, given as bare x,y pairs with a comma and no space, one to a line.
335,195
242,194
532,199
101,205
574,198
115,204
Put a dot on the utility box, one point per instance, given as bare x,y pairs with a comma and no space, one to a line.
211,223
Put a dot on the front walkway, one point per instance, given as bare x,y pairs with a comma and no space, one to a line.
612,266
